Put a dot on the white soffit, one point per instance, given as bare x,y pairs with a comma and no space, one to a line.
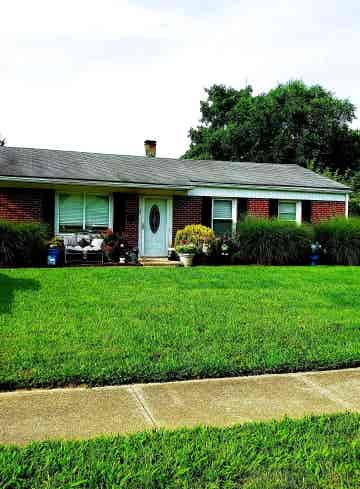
267,194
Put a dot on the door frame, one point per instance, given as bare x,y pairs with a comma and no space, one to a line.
169,220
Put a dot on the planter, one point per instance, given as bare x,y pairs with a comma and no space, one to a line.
187,259
54,257
314,259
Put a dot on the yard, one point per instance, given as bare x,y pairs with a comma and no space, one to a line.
120,325
313,452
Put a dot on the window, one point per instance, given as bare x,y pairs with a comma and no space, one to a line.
80,211
222,218
287,211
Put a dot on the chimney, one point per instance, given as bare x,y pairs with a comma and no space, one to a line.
150,148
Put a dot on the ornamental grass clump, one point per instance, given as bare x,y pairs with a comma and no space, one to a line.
196,234
22,244
273,242
340,241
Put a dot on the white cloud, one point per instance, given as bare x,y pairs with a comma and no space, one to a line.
103,76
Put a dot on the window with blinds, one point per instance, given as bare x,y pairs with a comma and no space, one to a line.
287,211
70,212
97,211
222,222
83,212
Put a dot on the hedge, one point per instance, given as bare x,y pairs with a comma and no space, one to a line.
340,241
273,242
22,244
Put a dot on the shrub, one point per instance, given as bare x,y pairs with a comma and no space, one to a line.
114,245
22,244
340,240
273,242
189,248
194,233
223,250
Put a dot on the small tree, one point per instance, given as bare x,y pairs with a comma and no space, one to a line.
2,140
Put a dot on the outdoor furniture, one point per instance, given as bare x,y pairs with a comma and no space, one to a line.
83,248
87,248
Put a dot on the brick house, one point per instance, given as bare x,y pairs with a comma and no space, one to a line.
150,198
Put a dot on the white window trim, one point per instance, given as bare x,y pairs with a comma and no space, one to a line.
347,206
298,209
111,209
233,212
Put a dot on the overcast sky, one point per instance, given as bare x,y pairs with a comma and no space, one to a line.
105,75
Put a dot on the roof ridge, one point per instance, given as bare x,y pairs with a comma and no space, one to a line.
92,153
186,160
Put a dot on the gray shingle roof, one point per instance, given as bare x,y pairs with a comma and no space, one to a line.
110,168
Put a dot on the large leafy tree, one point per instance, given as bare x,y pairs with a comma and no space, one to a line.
292,123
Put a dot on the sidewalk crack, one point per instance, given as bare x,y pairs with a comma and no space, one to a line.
137,393
326,392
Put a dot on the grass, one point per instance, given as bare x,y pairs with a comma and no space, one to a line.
119,325
314,452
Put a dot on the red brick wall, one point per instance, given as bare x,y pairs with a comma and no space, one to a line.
258,208
322,211
131,209
187,210
30,205
126,216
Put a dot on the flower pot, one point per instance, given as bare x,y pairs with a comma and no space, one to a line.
54,257
187,259
314,259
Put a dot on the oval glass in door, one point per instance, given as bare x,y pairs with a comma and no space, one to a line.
154,219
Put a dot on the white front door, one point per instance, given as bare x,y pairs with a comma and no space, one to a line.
155,221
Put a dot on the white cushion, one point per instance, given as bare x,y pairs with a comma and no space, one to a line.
74,248
96,243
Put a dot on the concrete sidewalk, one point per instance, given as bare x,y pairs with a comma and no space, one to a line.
83,413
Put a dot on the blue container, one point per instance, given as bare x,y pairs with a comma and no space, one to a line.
53,257
314,259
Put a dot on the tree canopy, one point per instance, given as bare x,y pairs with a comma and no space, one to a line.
292,123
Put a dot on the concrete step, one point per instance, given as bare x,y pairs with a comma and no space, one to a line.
157,262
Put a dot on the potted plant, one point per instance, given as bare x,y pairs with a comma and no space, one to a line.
114,246
315,252
201,237
55,251
186,251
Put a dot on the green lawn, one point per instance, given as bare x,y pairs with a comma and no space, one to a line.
321,452
119,325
